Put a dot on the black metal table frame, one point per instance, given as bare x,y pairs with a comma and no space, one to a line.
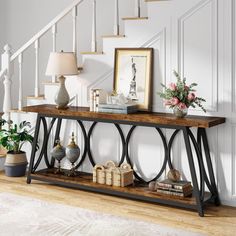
200,143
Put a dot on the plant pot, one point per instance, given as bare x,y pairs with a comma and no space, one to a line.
15,170
15,164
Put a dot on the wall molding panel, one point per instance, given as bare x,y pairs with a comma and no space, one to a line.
233,160
182,34
233,35
193,41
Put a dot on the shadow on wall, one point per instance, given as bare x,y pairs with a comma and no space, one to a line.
96,74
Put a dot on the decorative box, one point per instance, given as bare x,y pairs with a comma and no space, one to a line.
102,174
112,175
123,175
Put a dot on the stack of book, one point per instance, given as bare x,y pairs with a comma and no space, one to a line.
115,108
180,188
97,96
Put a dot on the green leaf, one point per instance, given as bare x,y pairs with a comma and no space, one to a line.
13,140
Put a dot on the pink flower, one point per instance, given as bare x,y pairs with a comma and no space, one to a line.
191,96
182,106
172,86
174,101
167,102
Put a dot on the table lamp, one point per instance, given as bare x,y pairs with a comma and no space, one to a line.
62,64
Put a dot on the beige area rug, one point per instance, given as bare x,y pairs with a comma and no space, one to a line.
27,216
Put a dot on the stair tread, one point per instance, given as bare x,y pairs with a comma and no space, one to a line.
92,53
156,0
40,97
50,83
113,36
17,111
135,18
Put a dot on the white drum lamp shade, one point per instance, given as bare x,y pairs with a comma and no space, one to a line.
62,64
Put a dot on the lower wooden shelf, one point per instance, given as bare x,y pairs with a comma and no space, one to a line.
137,191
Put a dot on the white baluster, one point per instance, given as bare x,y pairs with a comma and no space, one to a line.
137,8
94,30
74,16
116,18
20,82
36,90
6,63
54,42
54,45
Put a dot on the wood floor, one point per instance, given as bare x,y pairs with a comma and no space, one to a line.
217,221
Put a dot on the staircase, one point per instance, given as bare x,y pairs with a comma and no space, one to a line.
88,77
95,68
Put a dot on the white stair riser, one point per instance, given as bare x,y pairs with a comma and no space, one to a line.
34,102
50,92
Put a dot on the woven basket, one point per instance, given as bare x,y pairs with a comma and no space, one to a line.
102,174
99,174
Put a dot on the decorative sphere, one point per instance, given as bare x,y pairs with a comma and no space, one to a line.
173,175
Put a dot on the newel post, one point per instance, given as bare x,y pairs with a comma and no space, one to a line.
6,63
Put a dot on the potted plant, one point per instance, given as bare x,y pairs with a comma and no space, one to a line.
179,96
12,140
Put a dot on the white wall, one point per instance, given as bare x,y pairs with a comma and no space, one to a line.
3,38
196,37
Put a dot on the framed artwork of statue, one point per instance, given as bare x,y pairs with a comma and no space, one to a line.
133,75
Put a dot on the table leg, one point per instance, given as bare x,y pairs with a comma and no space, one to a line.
209,166
196,190
34,149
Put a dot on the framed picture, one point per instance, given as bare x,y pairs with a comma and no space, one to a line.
133,75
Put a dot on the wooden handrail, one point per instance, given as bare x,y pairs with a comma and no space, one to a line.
46,29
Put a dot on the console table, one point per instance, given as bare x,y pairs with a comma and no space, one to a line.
139,191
